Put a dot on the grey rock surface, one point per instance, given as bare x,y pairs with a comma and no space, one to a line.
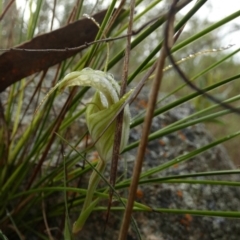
163,226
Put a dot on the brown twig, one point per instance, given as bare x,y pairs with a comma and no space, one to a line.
55,129
115,16
86,44
119,119
45,219
29,103
6,9
184,77
5,137
53,13
144,139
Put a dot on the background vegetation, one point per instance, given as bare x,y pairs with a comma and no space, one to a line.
38,168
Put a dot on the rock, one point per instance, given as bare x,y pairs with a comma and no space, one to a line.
159,226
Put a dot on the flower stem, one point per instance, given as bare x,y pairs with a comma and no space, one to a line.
88,203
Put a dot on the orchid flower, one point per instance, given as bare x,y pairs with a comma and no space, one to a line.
103,108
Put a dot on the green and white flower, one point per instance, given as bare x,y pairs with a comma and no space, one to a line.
103,108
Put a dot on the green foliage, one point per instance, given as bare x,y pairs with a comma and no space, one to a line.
2,236
39,153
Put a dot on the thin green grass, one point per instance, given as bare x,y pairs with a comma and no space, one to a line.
43,158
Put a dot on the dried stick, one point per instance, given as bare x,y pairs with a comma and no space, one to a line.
144,139
184,77
119,119
6,9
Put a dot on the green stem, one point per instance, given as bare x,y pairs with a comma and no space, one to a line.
89,205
